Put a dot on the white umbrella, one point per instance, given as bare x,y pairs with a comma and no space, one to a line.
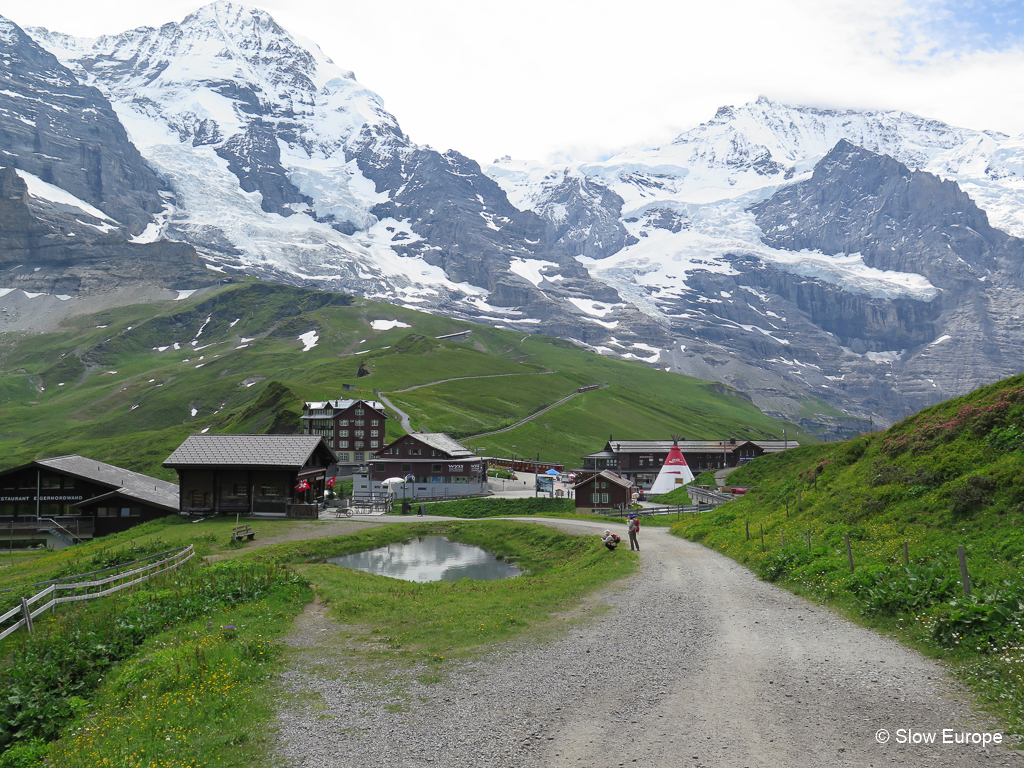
393,481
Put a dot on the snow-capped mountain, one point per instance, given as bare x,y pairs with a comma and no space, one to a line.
762,290
283,165
869,260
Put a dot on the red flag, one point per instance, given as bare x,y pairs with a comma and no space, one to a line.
330,482
302,486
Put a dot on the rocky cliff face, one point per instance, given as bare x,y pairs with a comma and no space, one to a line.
857,201
59,249
66,134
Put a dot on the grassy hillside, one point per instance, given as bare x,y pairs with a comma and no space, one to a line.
950,476
128,385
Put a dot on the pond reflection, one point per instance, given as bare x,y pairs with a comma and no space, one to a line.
429,558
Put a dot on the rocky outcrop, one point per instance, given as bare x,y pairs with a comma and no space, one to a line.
857,201
67,134
51,248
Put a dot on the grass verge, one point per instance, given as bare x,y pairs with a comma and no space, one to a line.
436,620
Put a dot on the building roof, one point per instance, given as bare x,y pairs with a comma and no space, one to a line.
438,441
442,442
601,455
342,405
128,484
607,475
283,451
658,446
775,446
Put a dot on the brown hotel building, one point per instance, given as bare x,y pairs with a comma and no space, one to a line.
353,429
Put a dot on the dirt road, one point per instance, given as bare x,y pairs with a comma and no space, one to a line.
694,663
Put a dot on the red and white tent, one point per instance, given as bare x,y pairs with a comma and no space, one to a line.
674,472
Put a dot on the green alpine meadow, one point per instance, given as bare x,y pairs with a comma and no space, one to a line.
128,385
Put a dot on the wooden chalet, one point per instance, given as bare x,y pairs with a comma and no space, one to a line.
603,491
249,474
66,499
434,465
640,460
353,429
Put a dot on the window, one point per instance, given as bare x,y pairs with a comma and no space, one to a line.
197,499
358,456
107,511
407,468
50,481
360,423
374,422
436,468
360,433
375,443
595,498
604,498
343,456
359,411
270,490
343,433
379,467
374,433
342,422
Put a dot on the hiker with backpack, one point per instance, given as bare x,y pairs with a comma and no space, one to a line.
610,540
634,528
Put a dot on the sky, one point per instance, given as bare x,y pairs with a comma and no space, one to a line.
574,79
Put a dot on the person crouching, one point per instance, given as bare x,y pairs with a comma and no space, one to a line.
610,540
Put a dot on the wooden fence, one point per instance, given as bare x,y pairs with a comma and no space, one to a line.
103,587
675,509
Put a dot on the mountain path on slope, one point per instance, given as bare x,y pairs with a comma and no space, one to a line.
690,662
463,378
531,417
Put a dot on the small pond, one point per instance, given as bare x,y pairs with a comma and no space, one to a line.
429,558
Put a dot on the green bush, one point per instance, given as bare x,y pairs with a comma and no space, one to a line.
777,565
973,492
986,621
908,590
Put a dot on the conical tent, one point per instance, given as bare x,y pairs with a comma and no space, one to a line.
674,472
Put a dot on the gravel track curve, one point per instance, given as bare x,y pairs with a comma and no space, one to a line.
694,662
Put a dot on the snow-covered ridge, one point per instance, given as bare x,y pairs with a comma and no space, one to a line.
227,98
707,177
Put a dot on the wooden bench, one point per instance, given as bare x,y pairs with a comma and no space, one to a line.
242,532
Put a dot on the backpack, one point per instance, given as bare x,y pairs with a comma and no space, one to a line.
633,527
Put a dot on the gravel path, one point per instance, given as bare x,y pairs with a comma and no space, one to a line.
696,663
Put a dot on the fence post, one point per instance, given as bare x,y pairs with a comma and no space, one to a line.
965,577
28,615
762,537
748,530
849,552
906,554
799,499
808,541
782,534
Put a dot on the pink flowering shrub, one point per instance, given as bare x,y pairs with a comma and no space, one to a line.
937,425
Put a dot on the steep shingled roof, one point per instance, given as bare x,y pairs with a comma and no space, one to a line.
285,451
121,481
